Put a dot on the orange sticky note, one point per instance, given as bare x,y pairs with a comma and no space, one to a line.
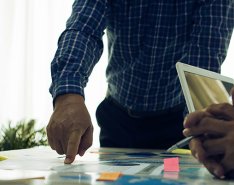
109,176
171,164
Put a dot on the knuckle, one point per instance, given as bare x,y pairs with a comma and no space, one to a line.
220,107
212,106
204,123
192,146
229,141
206,144
59,152
72,143
91,128
224,106
89,143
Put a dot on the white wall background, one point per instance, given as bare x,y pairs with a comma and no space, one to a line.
29,30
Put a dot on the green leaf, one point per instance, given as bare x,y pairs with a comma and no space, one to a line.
22,135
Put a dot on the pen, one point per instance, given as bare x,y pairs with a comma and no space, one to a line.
180,144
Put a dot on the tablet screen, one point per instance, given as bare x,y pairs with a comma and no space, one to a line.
205,91
202,87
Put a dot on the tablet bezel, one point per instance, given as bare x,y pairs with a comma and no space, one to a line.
182,68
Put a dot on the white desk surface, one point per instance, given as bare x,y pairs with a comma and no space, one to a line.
42,165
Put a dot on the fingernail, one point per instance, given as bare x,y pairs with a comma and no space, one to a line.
185,132
197,157
217,173
67,160
222,177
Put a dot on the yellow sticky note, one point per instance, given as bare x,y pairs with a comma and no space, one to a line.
109,176
181,151
2,158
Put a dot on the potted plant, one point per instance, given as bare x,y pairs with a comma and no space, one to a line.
22,135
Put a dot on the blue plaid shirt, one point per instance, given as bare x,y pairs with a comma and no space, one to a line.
145,40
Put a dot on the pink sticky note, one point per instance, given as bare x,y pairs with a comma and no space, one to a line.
171,164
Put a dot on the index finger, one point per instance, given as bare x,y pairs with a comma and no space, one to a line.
72,147
222,111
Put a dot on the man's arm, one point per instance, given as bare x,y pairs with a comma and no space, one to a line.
80,46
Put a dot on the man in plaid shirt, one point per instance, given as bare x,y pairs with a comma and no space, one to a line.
144,105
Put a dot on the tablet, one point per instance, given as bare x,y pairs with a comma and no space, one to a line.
202,88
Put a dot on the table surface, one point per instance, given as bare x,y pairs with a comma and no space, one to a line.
42,165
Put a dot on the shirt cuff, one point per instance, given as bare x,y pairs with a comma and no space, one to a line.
66,86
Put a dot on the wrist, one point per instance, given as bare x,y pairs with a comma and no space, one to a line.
68,99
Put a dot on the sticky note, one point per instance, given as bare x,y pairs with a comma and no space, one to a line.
181,151
171,164
109,176
2,158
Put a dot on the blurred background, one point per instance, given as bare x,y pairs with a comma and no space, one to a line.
29,30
